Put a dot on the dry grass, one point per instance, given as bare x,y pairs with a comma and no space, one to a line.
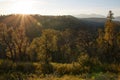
94,76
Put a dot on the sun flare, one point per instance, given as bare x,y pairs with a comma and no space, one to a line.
23,7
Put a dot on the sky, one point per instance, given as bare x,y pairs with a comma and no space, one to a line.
60,7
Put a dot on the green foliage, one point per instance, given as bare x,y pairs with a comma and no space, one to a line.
96,65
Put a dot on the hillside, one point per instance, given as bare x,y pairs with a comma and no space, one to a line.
55,22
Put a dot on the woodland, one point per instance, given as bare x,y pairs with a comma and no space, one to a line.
36,47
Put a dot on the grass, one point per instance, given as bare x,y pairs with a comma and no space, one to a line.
93,76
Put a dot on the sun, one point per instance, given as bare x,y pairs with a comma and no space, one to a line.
23,7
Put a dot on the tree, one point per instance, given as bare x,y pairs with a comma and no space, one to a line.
15,41
110,36
6,39
100,39
43,46
86,42
20,43
101,46
67,46
108,46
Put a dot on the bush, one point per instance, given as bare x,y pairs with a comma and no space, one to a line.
95,65
79,69
25,67
46,68
43,68
13,76
61,69
6,66
112,68
72,69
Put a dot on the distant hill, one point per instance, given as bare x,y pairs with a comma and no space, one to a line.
55,22
117,18
94,17
97,20
89,16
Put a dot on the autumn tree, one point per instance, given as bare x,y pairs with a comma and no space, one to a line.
110,29
107,41
100,44
42,47
15,41
20,43
6,39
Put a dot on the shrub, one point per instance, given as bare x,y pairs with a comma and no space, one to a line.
6,66
95,65
46,68
25,67
13,76
112,68
60,69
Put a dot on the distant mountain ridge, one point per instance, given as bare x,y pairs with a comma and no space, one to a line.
55,22
94,17
117,18
97,20
89,16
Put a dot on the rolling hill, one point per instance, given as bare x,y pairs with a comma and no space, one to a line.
55,22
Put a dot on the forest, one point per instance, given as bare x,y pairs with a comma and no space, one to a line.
36,47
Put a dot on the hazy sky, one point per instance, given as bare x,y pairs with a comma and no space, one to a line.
60,7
